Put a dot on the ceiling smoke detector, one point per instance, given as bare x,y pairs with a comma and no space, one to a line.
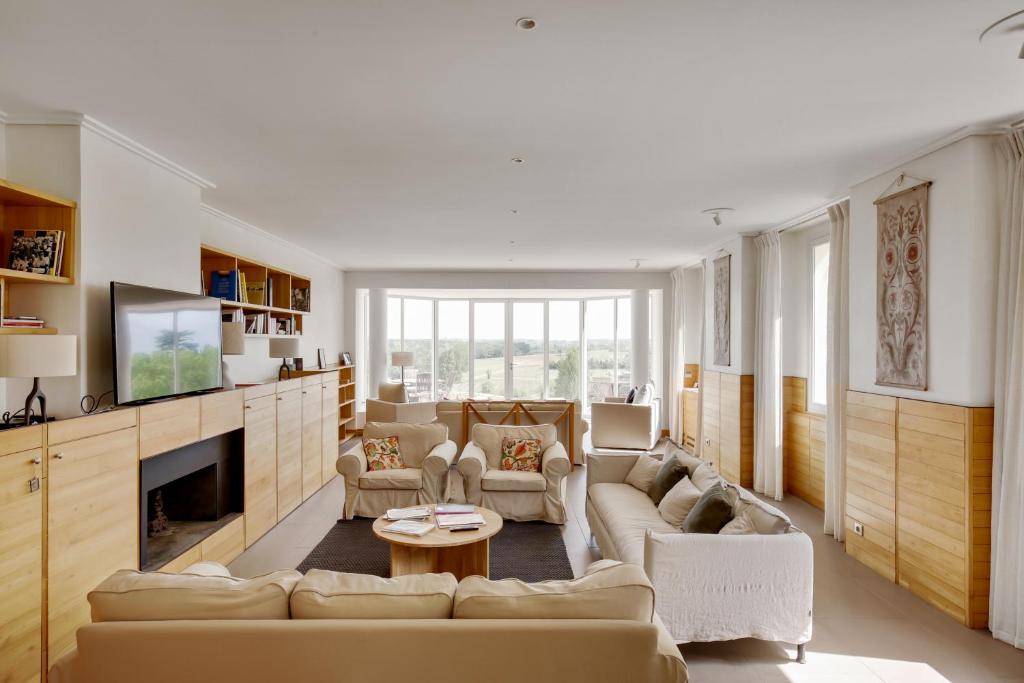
716,213
525,23
516,160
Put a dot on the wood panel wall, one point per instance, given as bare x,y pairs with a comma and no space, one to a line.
729,425
919,478
711,415
803,444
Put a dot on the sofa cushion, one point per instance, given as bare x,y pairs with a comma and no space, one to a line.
738,526
621,591
704,477
520,455
712,512
392,392
678,502
488,437
384,453
644,395
627,515
407,479
415,440
335,595
669,474
511,480
206,568
643,473
129,595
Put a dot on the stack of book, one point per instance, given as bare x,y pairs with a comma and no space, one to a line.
458,517
257,323
409,527
396,514
37,251
24,322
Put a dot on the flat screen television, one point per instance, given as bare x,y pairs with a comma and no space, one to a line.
166,343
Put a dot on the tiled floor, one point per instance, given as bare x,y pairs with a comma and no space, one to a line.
865,628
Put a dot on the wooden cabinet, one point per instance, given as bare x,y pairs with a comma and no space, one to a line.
711,418
289,450
220,413
689,401
312,438
226,543
260,467
329,431
168,425
21,550
92,518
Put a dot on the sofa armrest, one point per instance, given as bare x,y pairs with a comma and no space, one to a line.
555,463
624,425
748,586
472,465
435,470
352,464
609,468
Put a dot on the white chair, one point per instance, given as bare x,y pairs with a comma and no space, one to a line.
393,406
628,426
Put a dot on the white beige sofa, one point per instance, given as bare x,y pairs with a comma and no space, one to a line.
428,455
519,496
328,627
392,405
627,426
710,587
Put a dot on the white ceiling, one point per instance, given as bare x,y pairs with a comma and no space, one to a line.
379,132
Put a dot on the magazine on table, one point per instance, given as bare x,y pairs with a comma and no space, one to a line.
396,514
472,519
409,527
454,509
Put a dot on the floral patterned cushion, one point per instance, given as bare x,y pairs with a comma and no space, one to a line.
520,455
383,454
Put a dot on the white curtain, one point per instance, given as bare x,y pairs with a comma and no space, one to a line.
675,355
1006,595
699,445
768,367
837,373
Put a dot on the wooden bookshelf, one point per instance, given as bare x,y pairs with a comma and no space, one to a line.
346,402
23,208
279,282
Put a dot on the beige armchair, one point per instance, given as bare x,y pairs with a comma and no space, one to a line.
393,406
628,426
427,453
520,496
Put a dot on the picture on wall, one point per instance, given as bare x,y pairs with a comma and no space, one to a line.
723,329
901,354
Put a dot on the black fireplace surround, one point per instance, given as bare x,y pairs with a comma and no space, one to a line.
201,490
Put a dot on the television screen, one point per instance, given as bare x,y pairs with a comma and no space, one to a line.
165,343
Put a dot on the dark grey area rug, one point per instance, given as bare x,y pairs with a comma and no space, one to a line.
531,551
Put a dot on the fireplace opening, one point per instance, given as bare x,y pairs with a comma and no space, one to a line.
188,494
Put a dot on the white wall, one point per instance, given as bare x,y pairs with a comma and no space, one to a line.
742,292
796,294
693,291
961,256
322,327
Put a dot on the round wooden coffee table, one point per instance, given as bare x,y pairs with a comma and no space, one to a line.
463,553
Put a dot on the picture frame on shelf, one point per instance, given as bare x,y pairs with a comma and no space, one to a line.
321,359
346,358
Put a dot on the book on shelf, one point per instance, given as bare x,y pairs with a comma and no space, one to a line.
23,321
256,293
409,527
396,514
300,299
472,519
454,509
224,284
36,251
243,292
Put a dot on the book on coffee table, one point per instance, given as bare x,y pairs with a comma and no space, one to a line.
472,519
409,527
396,514
454,509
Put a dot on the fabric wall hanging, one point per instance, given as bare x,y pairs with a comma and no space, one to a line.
901,352
723,328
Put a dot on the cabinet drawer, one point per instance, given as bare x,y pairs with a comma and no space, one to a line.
21,439
260,390
289,385
312,380
257,405
189,557
220,413
83,427
166,426
226,543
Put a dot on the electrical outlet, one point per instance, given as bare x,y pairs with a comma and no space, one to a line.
858,528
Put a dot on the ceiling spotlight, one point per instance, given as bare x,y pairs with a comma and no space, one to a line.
525,24
514,210
637,262
716,213
516,160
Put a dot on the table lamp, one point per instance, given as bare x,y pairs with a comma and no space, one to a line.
232,343
35,356
284,348
402,359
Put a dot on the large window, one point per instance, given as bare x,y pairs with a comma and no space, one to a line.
489,349
563,349
528,349
608,329
418,337
452,350
817,398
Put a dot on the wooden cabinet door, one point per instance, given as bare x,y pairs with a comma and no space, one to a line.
711,419
93,525
329,430
260,467
289,452
312,439
21,572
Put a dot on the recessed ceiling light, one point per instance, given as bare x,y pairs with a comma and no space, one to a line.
514,210
516,160
716,212
526,23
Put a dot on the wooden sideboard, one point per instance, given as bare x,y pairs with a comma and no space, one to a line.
69,499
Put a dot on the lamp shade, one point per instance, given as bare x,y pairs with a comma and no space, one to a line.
38,355
284,347
232,338
402,358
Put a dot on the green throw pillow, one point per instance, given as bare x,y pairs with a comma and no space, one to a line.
668,476
712,512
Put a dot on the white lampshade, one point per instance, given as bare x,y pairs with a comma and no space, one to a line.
38,355
402,358
232,338
284,347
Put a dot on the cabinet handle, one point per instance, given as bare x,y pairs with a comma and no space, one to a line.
279,398
37,461
58,456
248,407
304,393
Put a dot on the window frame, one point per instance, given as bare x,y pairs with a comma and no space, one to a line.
812,245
